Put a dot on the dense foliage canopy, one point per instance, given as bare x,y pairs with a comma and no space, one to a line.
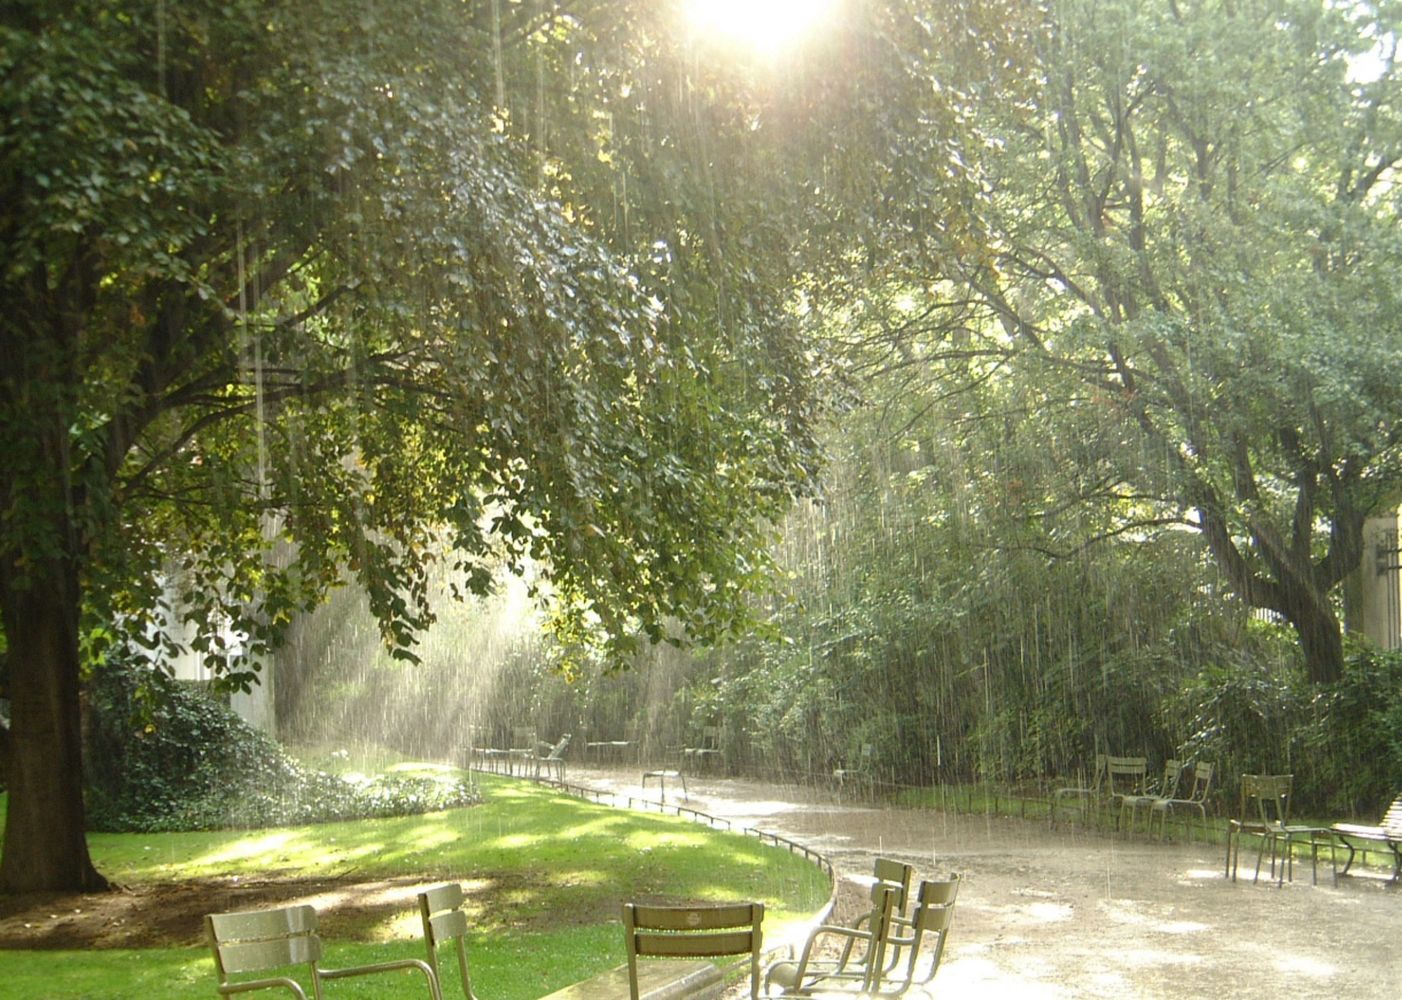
1187,255
298,288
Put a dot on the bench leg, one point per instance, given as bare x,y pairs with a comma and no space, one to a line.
1349,862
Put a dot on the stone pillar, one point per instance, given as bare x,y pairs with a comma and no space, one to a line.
256,707
1373,597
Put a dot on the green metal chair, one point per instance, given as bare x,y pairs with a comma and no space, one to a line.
1197,799
693,932
444,922
1083,797
931,916
1166,789
552,765
862,963
1124,777
1265,813
899,876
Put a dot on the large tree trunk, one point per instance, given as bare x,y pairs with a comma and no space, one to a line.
1321,635
45,831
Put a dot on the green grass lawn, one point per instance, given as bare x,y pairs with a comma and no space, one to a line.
545,874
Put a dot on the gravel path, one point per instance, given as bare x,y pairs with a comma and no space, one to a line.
1049,914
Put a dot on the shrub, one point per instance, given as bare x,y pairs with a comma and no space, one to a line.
163,756
1342,741
1353,735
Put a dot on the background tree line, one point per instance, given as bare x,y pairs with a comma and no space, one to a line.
1107,434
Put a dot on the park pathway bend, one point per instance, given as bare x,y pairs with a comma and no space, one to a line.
1049,914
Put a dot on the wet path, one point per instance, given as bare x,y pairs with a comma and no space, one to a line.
1048,914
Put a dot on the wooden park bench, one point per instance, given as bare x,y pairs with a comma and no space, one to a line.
1389,832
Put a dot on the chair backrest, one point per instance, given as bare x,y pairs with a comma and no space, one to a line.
1172,775
882,923
897,874
263,940
703,931
860,767
1097,780
1265,799
444,921
524,738
1125,775
934,915
1202,782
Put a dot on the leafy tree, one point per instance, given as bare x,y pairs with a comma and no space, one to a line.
1188,243
290,287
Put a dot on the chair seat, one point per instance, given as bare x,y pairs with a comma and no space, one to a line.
662,776
659,979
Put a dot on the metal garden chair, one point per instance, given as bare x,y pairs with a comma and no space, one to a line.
1197,799
444,922
862,963
693,932
269,945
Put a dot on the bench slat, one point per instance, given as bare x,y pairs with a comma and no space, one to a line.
1360,830
1392,819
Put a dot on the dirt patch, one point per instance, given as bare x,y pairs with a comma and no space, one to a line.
170,916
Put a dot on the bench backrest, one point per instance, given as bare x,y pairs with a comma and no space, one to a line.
1392,819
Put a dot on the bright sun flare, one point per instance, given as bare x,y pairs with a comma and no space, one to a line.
766,26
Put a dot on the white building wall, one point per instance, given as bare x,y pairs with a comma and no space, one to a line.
1380,591
256,708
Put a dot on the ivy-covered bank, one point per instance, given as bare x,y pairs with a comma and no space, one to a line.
165,756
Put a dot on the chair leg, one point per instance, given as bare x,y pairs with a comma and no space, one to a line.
1260,853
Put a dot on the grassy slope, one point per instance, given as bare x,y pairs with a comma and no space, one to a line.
557,868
